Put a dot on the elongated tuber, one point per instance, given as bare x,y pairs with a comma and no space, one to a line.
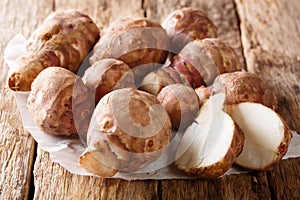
64,39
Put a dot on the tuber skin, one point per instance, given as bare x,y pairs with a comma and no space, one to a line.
156,80
200,61
244,87
187,24
181,103
139,42
60,103
133,125
64,39
107,75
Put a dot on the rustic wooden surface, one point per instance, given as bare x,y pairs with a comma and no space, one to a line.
266,36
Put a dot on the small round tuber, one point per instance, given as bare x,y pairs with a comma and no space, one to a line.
133,125
200,61
107,75
156,80
244,87
181,103
187,24
60,103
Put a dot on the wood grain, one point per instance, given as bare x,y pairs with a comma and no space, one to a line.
249,186
16,151
16,145
271,41
54,182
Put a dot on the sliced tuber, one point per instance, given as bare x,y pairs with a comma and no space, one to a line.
267,137
210,145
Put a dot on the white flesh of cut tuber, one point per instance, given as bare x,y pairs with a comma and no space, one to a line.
266,135
210,145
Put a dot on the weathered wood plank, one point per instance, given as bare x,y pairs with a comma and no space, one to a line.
284,180
51,180
271,41
17,17
230,187
16,151
224,15
16,145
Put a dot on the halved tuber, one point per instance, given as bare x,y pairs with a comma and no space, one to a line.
107,75
64,39
133,125
181,103
60,103
210,145
267,137
244,87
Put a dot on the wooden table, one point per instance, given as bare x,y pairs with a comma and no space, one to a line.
266,36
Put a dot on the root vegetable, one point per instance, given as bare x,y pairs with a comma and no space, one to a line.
139,42
210,145
267,137
60,103
135,127
201,61
203,94
181,103
107,75
156,80
187,24
64,39
244,87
